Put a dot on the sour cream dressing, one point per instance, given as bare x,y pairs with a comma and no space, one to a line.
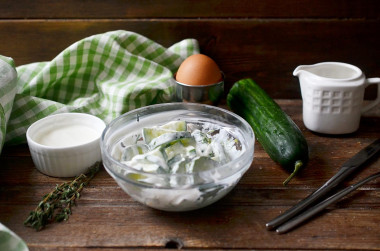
67,135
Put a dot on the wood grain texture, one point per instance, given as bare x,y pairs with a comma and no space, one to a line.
266,50
106,218
189,9
264,40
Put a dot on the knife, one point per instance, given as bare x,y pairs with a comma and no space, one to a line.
350,166
297,220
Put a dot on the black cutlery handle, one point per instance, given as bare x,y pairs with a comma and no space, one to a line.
322,205
347,168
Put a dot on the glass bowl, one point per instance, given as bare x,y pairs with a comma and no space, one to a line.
179,191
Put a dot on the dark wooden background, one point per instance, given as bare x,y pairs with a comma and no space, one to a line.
264,40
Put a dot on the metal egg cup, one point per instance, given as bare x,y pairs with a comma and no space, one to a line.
205,94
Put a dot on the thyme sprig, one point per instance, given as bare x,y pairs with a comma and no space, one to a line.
56,205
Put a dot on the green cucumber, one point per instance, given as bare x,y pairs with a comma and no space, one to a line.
274,129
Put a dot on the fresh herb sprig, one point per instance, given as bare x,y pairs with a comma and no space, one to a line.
56,205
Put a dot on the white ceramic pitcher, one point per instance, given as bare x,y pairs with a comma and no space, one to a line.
332,95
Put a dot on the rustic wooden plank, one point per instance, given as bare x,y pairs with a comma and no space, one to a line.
266,50
190,9
106,217
218,226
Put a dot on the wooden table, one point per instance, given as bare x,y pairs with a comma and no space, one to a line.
106,217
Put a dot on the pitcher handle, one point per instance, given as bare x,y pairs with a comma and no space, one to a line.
371,81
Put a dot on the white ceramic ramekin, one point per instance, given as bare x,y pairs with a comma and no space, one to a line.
65,161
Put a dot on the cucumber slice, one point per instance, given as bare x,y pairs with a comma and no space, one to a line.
150,133
200,137
188,142
151,162
178,164
136,176
219,152
166,138
178,126
201,163
182,147
130,151
203,144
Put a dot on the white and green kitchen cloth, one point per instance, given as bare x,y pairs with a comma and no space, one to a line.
8,79
105,75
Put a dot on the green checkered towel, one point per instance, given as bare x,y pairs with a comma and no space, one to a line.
105,75
8,78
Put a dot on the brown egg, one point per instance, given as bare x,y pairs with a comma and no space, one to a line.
198,69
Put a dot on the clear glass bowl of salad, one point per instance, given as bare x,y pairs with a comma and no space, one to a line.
177,156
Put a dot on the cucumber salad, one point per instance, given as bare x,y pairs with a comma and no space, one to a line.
178,164
179,147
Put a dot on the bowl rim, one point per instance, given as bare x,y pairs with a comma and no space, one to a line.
31,140
248,152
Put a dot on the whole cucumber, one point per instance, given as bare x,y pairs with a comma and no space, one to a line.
274,129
